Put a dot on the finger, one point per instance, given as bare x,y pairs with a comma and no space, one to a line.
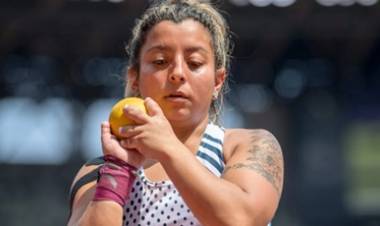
128,144
107,139
135,114
105,126
152,107
105,131
129,131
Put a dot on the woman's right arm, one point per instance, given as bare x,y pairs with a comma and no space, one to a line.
84,211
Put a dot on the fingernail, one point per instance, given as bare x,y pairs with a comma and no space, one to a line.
124,129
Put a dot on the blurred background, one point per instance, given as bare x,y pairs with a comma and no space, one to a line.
307,70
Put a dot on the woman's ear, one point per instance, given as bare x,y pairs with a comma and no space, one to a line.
132,86
220,77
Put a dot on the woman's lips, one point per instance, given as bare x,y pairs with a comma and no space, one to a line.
176,98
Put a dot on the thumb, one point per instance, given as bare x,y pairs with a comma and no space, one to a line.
152,107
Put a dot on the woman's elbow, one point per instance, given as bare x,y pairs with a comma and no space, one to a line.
239,217
249,219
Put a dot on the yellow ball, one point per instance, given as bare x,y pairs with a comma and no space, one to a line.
117,118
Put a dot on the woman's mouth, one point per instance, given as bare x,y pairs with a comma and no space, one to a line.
176,97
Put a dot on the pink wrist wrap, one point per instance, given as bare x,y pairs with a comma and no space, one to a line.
115,180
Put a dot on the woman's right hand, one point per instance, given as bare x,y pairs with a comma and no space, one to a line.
111,146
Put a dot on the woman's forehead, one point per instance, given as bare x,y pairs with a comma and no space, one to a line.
168,34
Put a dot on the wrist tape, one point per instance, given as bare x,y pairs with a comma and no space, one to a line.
115,180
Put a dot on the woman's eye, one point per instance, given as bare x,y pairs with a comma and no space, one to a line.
195,64
159,62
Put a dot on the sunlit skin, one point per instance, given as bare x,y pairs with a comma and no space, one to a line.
179,73
177,77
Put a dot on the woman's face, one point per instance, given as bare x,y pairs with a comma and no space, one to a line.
177,69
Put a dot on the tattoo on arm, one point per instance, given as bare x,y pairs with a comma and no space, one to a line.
264,157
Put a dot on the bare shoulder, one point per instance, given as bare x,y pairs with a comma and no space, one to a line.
80,196
235,138
83,171
255,150
79,188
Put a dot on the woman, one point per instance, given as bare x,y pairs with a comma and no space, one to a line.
198,173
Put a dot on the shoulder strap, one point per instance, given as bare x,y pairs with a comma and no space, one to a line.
210,151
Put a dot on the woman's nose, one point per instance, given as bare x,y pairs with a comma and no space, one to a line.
177,74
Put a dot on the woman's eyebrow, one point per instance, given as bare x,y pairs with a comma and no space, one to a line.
191,49
158,48
196,49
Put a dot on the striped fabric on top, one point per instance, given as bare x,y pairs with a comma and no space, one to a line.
210,151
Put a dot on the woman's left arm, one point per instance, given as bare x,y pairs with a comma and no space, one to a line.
249,190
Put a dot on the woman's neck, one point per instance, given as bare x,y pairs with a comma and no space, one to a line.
191,135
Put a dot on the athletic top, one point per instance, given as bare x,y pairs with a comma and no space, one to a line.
159,203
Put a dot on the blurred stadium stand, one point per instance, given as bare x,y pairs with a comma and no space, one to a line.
307,70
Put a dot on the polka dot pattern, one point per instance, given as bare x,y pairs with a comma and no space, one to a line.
159,203
156,203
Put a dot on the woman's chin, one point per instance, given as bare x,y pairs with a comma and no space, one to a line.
178,115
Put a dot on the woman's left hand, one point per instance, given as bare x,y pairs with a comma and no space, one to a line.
153,135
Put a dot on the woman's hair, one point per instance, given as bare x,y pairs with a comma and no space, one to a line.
178,11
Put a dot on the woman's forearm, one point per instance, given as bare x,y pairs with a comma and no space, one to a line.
213,201
101,213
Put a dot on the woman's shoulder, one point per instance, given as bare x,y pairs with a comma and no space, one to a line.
242,133
236,137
